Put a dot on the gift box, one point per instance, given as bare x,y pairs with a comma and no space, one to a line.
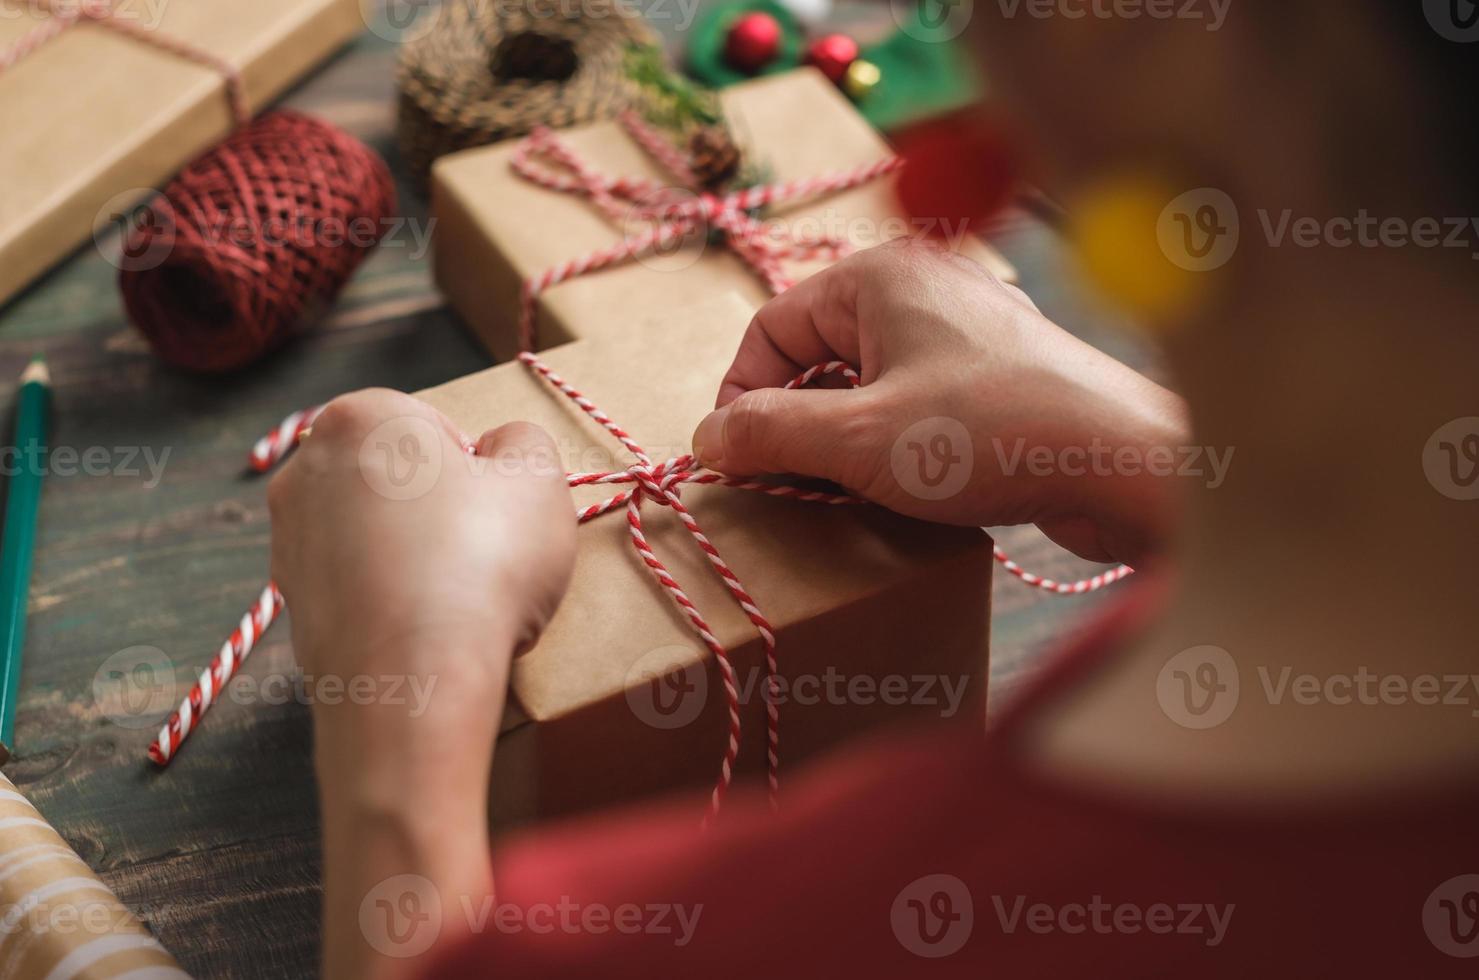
59,919
496,229
95,116
878,618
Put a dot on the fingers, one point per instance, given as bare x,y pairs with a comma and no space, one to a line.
533,484
810,323
349,418
840,313
522,449
527,454
816,432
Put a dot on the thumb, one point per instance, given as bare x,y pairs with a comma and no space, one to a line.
774,430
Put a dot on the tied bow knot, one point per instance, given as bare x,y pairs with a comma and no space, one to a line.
658,482
673,213
661,482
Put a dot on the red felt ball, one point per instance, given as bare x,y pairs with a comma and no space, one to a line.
753,42
832,54
959,171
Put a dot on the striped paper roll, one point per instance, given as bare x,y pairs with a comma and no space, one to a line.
57,920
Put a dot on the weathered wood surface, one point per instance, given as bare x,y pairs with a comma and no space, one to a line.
219,854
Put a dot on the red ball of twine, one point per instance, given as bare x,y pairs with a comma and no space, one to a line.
252,239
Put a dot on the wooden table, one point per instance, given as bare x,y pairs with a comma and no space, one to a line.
220,853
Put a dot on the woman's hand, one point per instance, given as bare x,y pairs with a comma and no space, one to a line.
397,551
413,572
967,390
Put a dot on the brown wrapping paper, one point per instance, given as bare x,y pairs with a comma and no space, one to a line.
92,114
853,591
495,228
56,918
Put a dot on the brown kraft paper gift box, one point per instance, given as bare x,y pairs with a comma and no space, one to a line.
494,228
93,114
856,594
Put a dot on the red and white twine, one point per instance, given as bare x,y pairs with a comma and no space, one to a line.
661,484
667,214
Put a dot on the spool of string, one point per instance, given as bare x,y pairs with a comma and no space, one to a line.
489,70
252,239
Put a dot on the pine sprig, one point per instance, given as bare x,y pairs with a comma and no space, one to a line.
672,101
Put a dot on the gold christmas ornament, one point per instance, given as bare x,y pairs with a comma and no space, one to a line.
861,77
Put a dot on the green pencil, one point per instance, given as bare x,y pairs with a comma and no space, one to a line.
20,537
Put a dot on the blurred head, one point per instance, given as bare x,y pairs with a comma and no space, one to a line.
1293,103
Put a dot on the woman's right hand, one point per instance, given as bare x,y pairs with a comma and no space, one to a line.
975,409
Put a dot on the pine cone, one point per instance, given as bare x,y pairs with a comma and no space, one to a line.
714,157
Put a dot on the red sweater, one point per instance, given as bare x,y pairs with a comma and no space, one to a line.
946,855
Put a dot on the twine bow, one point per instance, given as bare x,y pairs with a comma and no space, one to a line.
671,213
66,14
662,484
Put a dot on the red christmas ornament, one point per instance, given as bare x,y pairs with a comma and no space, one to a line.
959,171
832,53
753,42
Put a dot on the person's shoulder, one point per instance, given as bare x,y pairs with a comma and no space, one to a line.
646,889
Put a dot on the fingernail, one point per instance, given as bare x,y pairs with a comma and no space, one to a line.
708,439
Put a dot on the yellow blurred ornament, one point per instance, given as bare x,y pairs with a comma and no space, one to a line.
1151,249
861,77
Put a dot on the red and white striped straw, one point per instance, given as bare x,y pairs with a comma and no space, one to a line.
275,445
213,679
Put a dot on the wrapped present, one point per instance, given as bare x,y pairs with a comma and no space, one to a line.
111,98
577,234
56,918
875,617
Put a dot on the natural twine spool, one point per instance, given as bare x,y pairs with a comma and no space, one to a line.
489,70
